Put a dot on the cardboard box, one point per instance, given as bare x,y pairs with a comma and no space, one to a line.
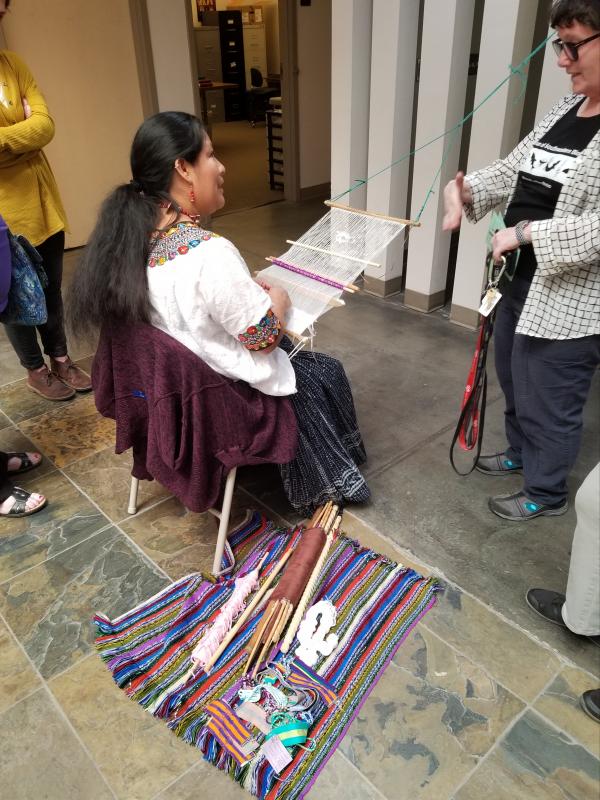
250,14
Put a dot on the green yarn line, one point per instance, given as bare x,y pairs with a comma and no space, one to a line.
518,70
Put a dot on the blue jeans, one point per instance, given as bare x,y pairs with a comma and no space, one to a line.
545,383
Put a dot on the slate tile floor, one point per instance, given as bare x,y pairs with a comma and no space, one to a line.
480,701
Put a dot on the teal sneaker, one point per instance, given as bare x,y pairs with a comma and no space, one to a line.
498,464
518,507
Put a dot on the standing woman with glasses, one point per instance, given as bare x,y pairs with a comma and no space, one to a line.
31,205
547,328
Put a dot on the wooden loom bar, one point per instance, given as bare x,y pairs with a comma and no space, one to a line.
332,253
331,204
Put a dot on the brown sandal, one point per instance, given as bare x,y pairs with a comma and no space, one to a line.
19,509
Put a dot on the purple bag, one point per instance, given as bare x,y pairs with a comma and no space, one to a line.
5,264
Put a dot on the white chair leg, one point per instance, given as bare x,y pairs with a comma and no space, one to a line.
224,521
133,493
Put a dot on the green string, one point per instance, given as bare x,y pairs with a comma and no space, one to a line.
454,130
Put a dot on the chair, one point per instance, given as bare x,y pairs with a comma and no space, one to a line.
222,515
257,98
189,427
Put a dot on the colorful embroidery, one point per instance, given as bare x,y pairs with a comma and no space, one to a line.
262,335
176,241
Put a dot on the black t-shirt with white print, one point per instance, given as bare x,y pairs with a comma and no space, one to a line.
543,174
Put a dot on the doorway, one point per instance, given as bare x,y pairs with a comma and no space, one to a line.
238,45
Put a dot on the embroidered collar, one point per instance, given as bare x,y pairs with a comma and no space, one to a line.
177,240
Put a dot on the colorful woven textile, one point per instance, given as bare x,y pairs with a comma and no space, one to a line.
148,649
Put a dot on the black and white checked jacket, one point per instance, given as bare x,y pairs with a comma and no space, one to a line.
564,298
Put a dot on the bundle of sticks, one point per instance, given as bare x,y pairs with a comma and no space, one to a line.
295,587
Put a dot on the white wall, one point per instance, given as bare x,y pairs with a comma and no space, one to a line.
314,92
92,91
174,55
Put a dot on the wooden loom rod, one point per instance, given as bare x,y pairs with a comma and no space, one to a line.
331,301
332,253
331,204
258,597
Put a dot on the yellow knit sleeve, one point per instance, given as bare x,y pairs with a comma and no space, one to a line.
36,132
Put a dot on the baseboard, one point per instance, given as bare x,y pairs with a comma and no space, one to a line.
424,302
382,288
466,317
315,192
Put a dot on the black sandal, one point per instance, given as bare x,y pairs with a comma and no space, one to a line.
19,509
26,463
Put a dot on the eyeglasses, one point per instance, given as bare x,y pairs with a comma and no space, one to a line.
570,48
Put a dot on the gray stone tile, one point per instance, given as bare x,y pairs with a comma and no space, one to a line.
214,783
428,720
444,520
17,677
41,758
50,607
487,639
66,520
534,762
4,421
180,541
106,478
339,777
560,704
137,753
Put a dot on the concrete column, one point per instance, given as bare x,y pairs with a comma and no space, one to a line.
506,37
445,47
393,63
350,80
554,83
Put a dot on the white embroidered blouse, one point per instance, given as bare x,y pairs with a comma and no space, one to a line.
202,294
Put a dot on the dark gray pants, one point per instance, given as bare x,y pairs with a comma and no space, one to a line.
24,337
545,383
6,486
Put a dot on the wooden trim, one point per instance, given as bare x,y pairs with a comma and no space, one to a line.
424,302
140,29
401,221
288,48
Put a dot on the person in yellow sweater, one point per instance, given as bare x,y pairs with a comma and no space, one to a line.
31,205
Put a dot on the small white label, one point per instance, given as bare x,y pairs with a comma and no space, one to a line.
276,754
489,302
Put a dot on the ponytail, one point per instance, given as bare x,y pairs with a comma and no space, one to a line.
110,282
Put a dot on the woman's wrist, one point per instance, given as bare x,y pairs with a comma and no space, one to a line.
466,195
523,232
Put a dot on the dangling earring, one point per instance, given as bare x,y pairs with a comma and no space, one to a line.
192,196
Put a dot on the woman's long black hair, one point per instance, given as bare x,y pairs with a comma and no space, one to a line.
110,281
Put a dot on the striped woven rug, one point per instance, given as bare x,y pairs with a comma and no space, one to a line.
148,649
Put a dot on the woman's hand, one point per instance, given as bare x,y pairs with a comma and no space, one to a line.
26,107
280,301
505,241
456,194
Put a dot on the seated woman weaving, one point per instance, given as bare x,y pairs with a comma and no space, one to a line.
149,260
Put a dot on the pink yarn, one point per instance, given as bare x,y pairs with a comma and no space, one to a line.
211,640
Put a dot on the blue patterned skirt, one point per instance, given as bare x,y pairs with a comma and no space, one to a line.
330,446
